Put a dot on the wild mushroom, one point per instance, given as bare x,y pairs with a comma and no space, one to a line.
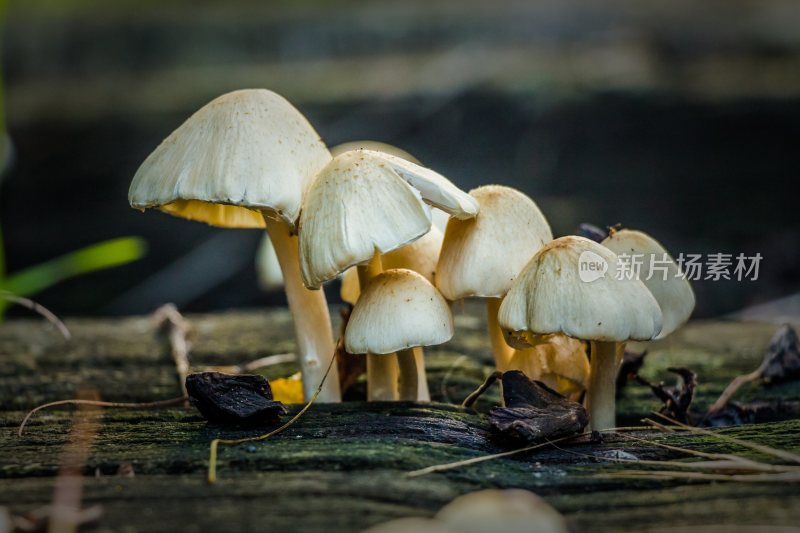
506,511
399,310
482,256
364,204
245,160
660,274
421,257
549,296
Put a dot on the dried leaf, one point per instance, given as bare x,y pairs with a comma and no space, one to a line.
782,362
677,399
736,413
233,399
632,363
535,412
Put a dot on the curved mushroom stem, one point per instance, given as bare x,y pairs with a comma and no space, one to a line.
408,374
382,370
423,394
312,321
502,352
601,396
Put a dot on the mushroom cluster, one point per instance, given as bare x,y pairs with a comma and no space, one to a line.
366,212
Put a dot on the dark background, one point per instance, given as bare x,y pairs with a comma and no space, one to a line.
678,118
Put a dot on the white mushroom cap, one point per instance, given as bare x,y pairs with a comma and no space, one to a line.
482,256
399,309
359,204
420,256
434,188
504,511
670,288
549,297
244,152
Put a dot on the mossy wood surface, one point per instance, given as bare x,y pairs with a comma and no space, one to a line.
342,467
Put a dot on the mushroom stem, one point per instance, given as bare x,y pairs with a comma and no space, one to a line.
601,396
423,394
312,322
382,370
407,362
502,352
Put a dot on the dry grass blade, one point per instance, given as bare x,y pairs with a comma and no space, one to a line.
783,477
766,450
96,403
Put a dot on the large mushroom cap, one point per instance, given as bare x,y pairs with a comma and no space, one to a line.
504,511
399,309
549,296
482,256
360,204
244,152
670,288
420,256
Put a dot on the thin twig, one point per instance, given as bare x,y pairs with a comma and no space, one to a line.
466,462
473,397
784,477
212,457
145,405
250,366
40,309
178,331
734,386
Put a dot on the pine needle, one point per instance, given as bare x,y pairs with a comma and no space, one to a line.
146,405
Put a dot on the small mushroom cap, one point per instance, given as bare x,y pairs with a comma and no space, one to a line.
357,205
670,288
243,153
376,146
420,256
482,256
504,511
399,309
549,296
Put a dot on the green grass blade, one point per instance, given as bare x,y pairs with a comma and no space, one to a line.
106,254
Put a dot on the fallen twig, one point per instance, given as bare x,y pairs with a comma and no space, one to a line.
178,329
145,405
40,309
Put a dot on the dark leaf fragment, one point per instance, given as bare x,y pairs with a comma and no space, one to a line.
677,399
736,413
534,412
632,363
233,399
782,362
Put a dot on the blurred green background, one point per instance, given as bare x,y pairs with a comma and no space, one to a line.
678,118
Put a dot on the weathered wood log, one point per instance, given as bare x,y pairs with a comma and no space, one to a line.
343,467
